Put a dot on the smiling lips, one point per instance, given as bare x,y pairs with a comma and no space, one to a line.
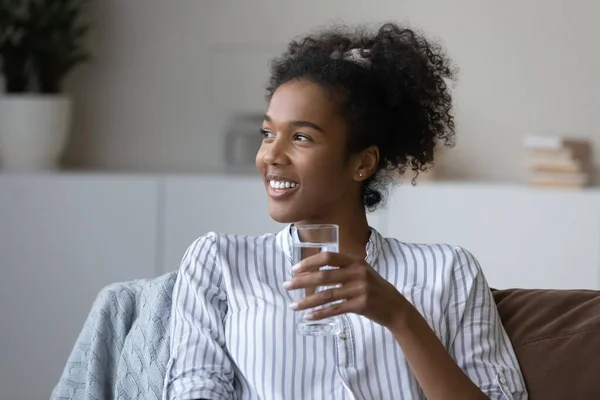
280,188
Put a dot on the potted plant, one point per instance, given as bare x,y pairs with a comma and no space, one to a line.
41,41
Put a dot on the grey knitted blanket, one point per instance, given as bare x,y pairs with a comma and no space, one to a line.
123,350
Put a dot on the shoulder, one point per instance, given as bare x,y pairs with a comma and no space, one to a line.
441,252
218,257
441,258
223,244
230,239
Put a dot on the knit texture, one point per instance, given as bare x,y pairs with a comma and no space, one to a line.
122,351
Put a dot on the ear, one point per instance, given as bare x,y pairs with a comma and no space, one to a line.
366,163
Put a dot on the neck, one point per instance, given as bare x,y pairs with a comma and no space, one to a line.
354,229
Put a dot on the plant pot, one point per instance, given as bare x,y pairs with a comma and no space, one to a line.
33,131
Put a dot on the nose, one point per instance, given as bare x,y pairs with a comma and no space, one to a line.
275,152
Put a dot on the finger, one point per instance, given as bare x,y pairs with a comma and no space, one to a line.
323,259
309,291
326,277
334,310
324,297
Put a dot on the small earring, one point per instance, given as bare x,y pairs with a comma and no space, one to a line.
360,174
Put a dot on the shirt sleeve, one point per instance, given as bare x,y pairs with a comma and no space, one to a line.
479,343
199,367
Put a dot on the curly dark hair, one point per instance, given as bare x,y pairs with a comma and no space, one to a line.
394,96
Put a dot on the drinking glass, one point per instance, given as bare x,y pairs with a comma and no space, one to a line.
308,240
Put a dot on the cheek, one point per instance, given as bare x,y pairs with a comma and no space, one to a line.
326,174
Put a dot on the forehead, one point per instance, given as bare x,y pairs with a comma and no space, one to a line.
301,100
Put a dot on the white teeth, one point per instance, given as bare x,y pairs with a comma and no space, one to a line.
282,185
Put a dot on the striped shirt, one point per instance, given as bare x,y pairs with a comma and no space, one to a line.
233,336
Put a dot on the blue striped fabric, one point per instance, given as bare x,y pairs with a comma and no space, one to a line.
233,336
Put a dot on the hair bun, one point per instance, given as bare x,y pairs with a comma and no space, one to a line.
371,197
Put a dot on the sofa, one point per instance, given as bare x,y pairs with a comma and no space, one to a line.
122,350
556,336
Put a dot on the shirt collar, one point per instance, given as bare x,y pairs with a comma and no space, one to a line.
284,241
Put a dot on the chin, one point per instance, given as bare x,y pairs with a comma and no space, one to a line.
281,217
285,213
289,215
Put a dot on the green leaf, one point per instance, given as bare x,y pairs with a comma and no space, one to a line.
41,41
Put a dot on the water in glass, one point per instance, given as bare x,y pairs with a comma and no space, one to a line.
322,327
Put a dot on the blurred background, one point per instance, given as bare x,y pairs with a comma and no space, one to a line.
160,133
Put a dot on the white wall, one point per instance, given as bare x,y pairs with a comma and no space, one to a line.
165,74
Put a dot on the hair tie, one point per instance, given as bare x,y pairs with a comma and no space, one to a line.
354,55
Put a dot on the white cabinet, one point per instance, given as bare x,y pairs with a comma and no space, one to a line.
62,238
522,237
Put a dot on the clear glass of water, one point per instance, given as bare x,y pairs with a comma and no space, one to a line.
308,240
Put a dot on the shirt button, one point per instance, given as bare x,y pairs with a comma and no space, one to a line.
503,380
342,336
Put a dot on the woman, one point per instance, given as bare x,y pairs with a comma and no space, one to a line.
346,110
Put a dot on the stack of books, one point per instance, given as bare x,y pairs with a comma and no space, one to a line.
557,162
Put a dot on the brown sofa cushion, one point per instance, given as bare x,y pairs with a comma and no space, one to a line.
556,336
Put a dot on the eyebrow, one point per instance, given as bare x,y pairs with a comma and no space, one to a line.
300,124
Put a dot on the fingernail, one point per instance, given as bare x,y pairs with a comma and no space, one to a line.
293,306
287,284
296,268
309,316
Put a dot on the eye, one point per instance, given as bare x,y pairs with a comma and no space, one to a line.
302,138
266,134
